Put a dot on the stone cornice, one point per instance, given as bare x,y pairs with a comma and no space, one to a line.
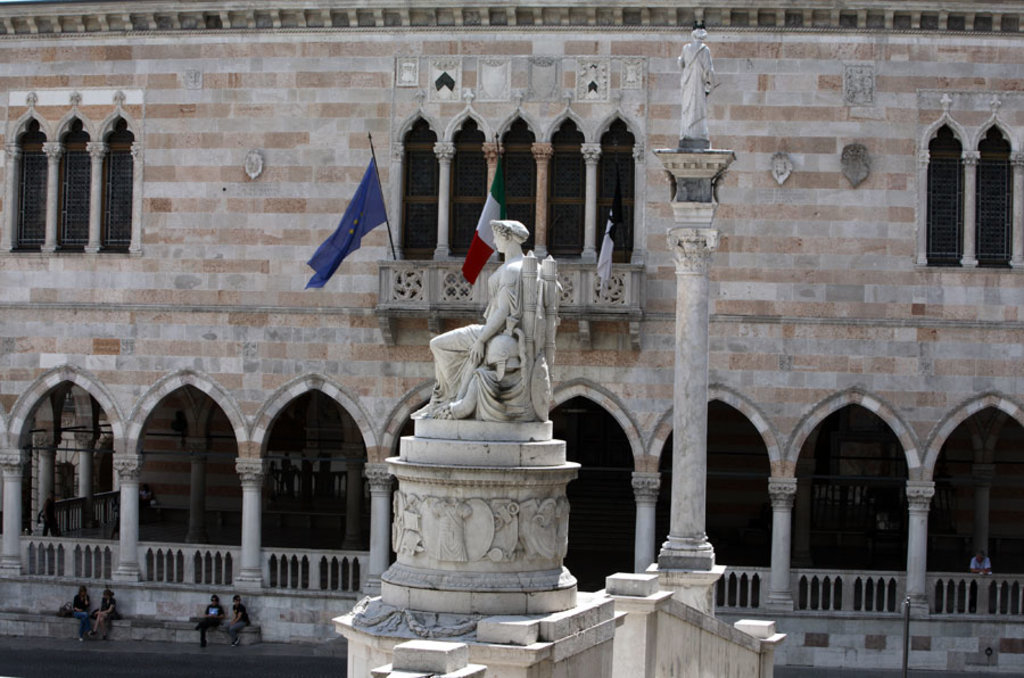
29,19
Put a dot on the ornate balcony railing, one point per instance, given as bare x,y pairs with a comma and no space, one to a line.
436,290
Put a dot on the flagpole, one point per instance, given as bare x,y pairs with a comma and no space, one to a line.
387,222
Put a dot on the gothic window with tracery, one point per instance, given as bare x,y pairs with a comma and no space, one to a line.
520,169
31,193
566,192
75,181
616,164
945,199
118,184
994,200
419,202
469,186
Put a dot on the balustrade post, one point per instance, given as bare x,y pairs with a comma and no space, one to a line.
645,491
379,479
783,495
129,469
250,473
12,463
919,499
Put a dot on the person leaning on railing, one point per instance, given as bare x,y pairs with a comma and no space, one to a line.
980,564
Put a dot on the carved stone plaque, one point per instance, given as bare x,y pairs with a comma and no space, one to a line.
632,73
543,79
859,84
592,80
856,163
493,80
782,167
407,72
445,80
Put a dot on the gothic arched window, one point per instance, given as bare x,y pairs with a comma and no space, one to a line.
520,171
469,186
945,199
567,192
419,201
31,194
994,200
118,182
75,180
616,162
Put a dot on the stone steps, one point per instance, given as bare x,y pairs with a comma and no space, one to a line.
169,631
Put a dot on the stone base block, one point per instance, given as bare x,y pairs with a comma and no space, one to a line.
695,588
418,450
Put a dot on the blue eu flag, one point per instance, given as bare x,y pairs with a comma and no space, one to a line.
365,213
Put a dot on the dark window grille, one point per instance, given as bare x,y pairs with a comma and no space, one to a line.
469,186
520,169
994,201
118,177
31,228
75,180
945,200
567,192
616,160
419,204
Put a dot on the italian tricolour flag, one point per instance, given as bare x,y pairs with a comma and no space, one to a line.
482,247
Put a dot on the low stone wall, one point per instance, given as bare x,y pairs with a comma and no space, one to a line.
829,640
51,626
282,616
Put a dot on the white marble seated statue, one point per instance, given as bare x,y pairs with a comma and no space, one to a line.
500,370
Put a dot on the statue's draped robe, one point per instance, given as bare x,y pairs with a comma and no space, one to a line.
695,82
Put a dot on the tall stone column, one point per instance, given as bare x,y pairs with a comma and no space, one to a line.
591,154
250,473
542,153
783,494
1017,237
982,474
353,505
197,492
97,151
491,151
445,151
45,453
137,165
129,469
396,173
645,491
85,442
53,150
12,171
12,463
379,479
923,160
970,255
919,499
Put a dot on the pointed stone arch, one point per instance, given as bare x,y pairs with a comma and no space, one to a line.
943,120
407,124
30,400
959,415
396,418
568,114
872,403
280,399
996,121
618,114
506,124
611,404
468,113
64,125
171,383
659,436
759,421
21,124
107,126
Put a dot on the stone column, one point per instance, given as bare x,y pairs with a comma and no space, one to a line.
379,479
85,443
12,172
53,150
923,160
353,505
970,256
445,151
491,151
12,463
196,448
45,454
250,473
137,165
783,493
97,151
688,547
919,499
639,206
396,175
542,153
129,469
645,491
1017,237
591,155
982,474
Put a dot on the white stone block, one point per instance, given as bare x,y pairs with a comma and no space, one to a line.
431,656
630,584
756,627
508,630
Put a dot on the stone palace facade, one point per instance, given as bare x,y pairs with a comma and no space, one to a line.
169,167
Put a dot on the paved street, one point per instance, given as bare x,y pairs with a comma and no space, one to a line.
783,672
50,658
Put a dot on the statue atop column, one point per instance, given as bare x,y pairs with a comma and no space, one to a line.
500,370
697,81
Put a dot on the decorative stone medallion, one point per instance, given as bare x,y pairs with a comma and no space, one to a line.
632,73
782,167
445,80
592,80
856,163
253,163
192,78
407,71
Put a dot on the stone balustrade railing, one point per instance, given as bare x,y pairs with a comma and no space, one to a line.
436,290
314,570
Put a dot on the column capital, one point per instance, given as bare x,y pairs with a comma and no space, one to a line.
919,494
378,476
136,151
971,158
13,150
491,150
42,440
1017,159
12,461
397,151
250,471
542,151
128,467
86,439
646,486
97,149
591,152
782,492
983,473
445,151
53,150
194,445
924,157
692,248
639,153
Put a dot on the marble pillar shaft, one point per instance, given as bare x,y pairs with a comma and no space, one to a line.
250,473
645,491
129,469
11,465
919,498
783,495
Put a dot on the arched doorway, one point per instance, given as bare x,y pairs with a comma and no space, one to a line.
602,509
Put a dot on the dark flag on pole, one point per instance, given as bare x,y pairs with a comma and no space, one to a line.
365,212
604,261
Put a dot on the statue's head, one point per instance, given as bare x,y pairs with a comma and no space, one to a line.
699,34
510,229
502,354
